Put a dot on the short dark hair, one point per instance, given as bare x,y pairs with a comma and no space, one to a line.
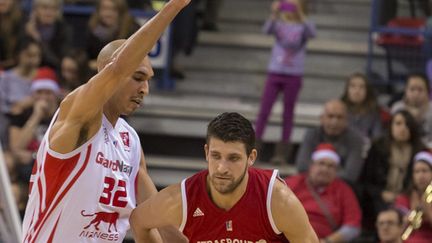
232,127
398,212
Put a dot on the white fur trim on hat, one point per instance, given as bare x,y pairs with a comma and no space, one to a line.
47,84
424,156
329,154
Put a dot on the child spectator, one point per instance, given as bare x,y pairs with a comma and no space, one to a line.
285,71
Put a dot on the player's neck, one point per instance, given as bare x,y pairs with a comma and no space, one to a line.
111,116
228,200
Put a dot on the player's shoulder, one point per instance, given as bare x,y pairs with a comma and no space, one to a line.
281,192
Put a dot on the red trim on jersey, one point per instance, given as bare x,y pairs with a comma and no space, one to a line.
39,183
50,239
45,215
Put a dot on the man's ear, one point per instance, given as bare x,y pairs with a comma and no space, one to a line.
252,157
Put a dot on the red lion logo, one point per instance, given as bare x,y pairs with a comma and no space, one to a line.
110,218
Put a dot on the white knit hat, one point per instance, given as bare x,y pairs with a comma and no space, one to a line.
325,150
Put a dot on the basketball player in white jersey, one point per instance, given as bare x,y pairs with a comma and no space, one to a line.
90,170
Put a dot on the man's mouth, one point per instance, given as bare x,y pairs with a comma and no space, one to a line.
138,101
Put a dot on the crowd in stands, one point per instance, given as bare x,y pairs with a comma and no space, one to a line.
366,166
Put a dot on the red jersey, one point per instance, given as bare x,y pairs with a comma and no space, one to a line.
86,195
248,221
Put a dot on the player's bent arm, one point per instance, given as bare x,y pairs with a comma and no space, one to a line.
289,215
162,209
145,185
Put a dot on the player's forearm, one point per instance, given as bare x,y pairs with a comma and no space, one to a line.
140,232
140,43
145,236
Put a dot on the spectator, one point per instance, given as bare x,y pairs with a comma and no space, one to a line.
10,24
47,26
416,101
15,83
74,70
413,198
330,203
285,71
389,224
334,129
388,165
110,21
28,127
363,110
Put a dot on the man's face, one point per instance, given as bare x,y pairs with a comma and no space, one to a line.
131,96
334,118
323,171
227,164
388,226
45,94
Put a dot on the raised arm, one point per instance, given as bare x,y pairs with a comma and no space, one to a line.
81,111
163,209
289,215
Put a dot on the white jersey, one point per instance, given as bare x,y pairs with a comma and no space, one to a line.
86,195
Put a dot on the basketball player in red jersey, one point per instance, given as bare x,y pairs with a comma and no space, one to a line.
83,182
230,201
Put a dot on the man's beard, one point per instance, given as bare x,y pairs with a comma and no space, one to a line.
227,189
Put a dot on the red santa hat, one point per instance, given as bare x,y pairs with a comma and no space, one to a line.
425,156
46,79
325,151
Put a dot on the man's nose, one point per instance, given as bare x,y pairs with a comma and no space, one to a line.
221,167
144,88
